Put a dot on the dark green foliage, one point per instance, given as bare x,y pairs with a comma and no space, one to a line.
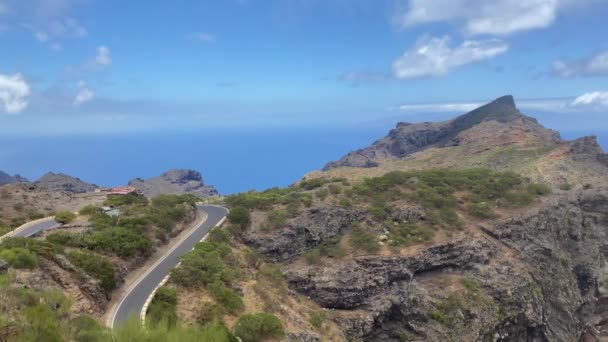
328,248
256,327
229,299
96,267
239,216
86,329
334,189
38,247
64,217
131,199
89,210
481,209
539,189
313,256
205,267
363,238
317,319
19,257
406,234
162,309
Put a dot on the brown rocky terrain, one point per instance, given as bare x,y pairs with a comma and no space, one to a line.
496,136
62,182
535,271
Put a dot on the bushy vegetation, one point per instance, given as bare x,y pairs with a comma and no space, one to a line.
162,309
276,219
64,217
129,234
363,238
19,257
205,267
96,266
89,210
441,191
317,319
239,216
329,248
256,327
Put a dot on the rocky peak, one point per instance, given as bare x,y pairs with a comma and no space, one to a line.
5,178
175,182
62,182
182,176
407,138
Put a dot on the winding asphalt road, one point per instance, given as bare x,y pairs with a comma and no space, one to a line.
135,297
35,228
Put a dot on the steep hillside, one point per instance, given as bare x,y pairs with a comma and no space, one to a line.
495,136
175,182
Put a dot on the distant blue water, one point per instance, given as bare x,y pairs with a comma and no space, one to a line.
232,161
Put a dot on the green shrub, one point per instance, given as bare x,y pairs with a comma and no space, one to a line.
313,256
211,312
322,194
229,299
257,327
275,220
19,258
95,266
317,319
162,309
539,189
362,238
130,199
89,210
64,217
482,210
406,234
334,189
239,216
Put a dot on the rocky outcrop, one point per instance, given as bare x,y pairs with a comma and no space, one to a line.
350,284
540,276
408,138
175,182
309,229
5,178
61,182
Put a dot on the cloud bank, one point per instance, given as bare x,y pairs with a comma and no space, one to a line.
432,57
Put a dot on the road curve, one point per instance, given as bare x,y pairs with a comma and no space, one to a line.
135,297
35,228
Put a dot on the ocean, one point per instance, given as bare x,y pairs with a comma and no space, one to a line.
233,161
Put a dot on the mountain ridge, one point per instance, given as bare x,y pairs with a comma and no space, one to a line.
496,136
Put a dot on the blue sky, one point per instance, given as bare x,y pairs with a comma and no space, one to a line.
92,66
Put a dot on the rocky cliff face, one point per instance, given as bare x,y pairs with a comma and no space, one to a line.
175,182
61,182
5,178
539,276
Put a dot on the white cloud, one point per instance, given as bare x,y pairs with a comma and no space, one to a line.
596,65
598,99
434,56
440,107
14,92
84,94
204,37
499,17
103,57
